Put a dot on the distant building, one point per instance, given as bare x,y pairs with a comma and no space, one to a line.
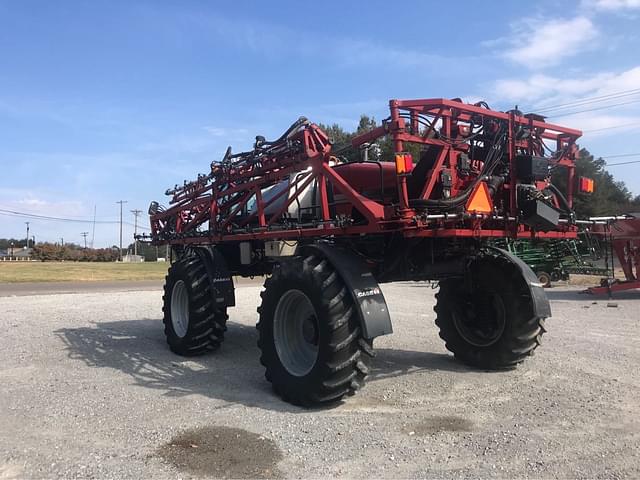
132,258
18,253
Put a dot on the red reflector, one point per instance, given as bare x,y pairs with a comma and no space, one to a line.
404,163
408,162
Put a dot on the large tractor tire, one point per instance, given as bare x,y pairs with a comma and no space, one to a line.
309,334
489,322
193,324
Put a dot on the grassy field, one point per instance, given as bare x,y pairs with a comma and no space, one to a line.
16,272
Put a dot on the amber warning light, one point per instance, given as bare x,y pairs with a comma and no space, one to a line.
586,185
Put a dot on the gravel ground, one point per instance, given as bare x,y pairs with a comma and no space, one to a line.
90,390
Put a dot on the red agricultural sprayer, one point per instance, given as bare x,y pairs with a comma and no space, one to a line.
326,232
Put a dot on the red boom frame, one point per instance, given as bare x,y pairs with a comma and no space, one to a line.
221,198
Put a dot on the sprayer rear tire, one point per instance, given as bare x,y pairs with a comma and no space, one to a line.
309,334
193,324
493,327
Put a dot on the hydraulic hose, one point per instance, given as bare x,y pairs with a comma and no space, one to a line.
561,198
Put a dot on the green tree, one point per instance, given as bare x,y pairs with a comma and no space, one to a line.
48,252
7,242
148,251
610,196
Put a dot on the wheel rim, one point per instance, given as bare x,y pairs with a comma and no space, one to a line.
296,333
481,320
544,278
180,308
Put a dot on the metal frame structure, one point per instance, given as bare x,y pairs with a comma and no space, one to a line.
214,208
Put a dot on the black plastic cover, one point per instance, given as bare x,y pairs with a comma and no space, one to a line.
541,306
538,214
530,168
372,307
220,278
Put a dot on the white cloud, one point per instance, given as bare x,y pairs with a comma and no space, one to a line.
29,201
601,125
612,5
226,132
598,117
538,44
550,90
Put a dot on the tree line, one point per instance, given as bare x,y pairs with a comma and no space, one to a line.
71,252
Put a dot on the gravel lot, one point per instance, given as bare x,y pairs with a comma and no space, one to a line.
89,389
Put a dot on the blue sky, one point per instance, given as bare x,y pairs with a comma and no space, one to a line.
102,101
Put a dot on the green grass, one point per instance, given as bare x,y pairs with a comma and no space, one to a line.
21,272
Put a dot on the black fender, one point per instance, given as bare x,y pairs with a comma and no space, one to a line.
220,278
371,305
541,306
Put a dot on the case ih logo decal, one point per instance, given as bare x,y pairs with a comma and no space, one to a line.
221,279
370,292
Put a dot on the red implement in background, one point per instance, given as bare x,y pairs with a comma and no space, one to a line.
624,236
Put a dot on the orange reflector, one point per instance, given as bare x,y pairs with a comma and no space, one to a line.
480,200
404,163
586,185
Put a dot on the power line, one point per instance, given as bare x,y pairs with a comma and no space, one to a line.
36,216
595,108
622,163
76,218
611,128
621,155
587,100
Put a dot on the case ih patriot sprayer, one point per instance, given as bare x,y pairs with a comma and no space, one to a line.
326,232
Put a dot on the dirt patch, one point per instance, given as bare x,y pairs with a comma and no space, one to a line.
223,452
441,424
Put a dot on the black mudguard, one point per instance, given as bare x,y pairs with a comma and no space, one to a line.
221,280
539,298
372,307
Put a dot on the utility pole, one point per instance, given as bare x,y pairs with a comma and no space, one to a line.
84,234
27,234
136,213
120,251
93,230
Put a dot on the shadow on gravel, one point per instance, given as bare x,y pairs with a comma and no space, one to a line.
232,374
391,363
576,295
138,348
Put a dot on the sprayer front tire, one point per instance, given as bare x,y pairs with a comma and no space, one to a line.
493,326
193,325
309,334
